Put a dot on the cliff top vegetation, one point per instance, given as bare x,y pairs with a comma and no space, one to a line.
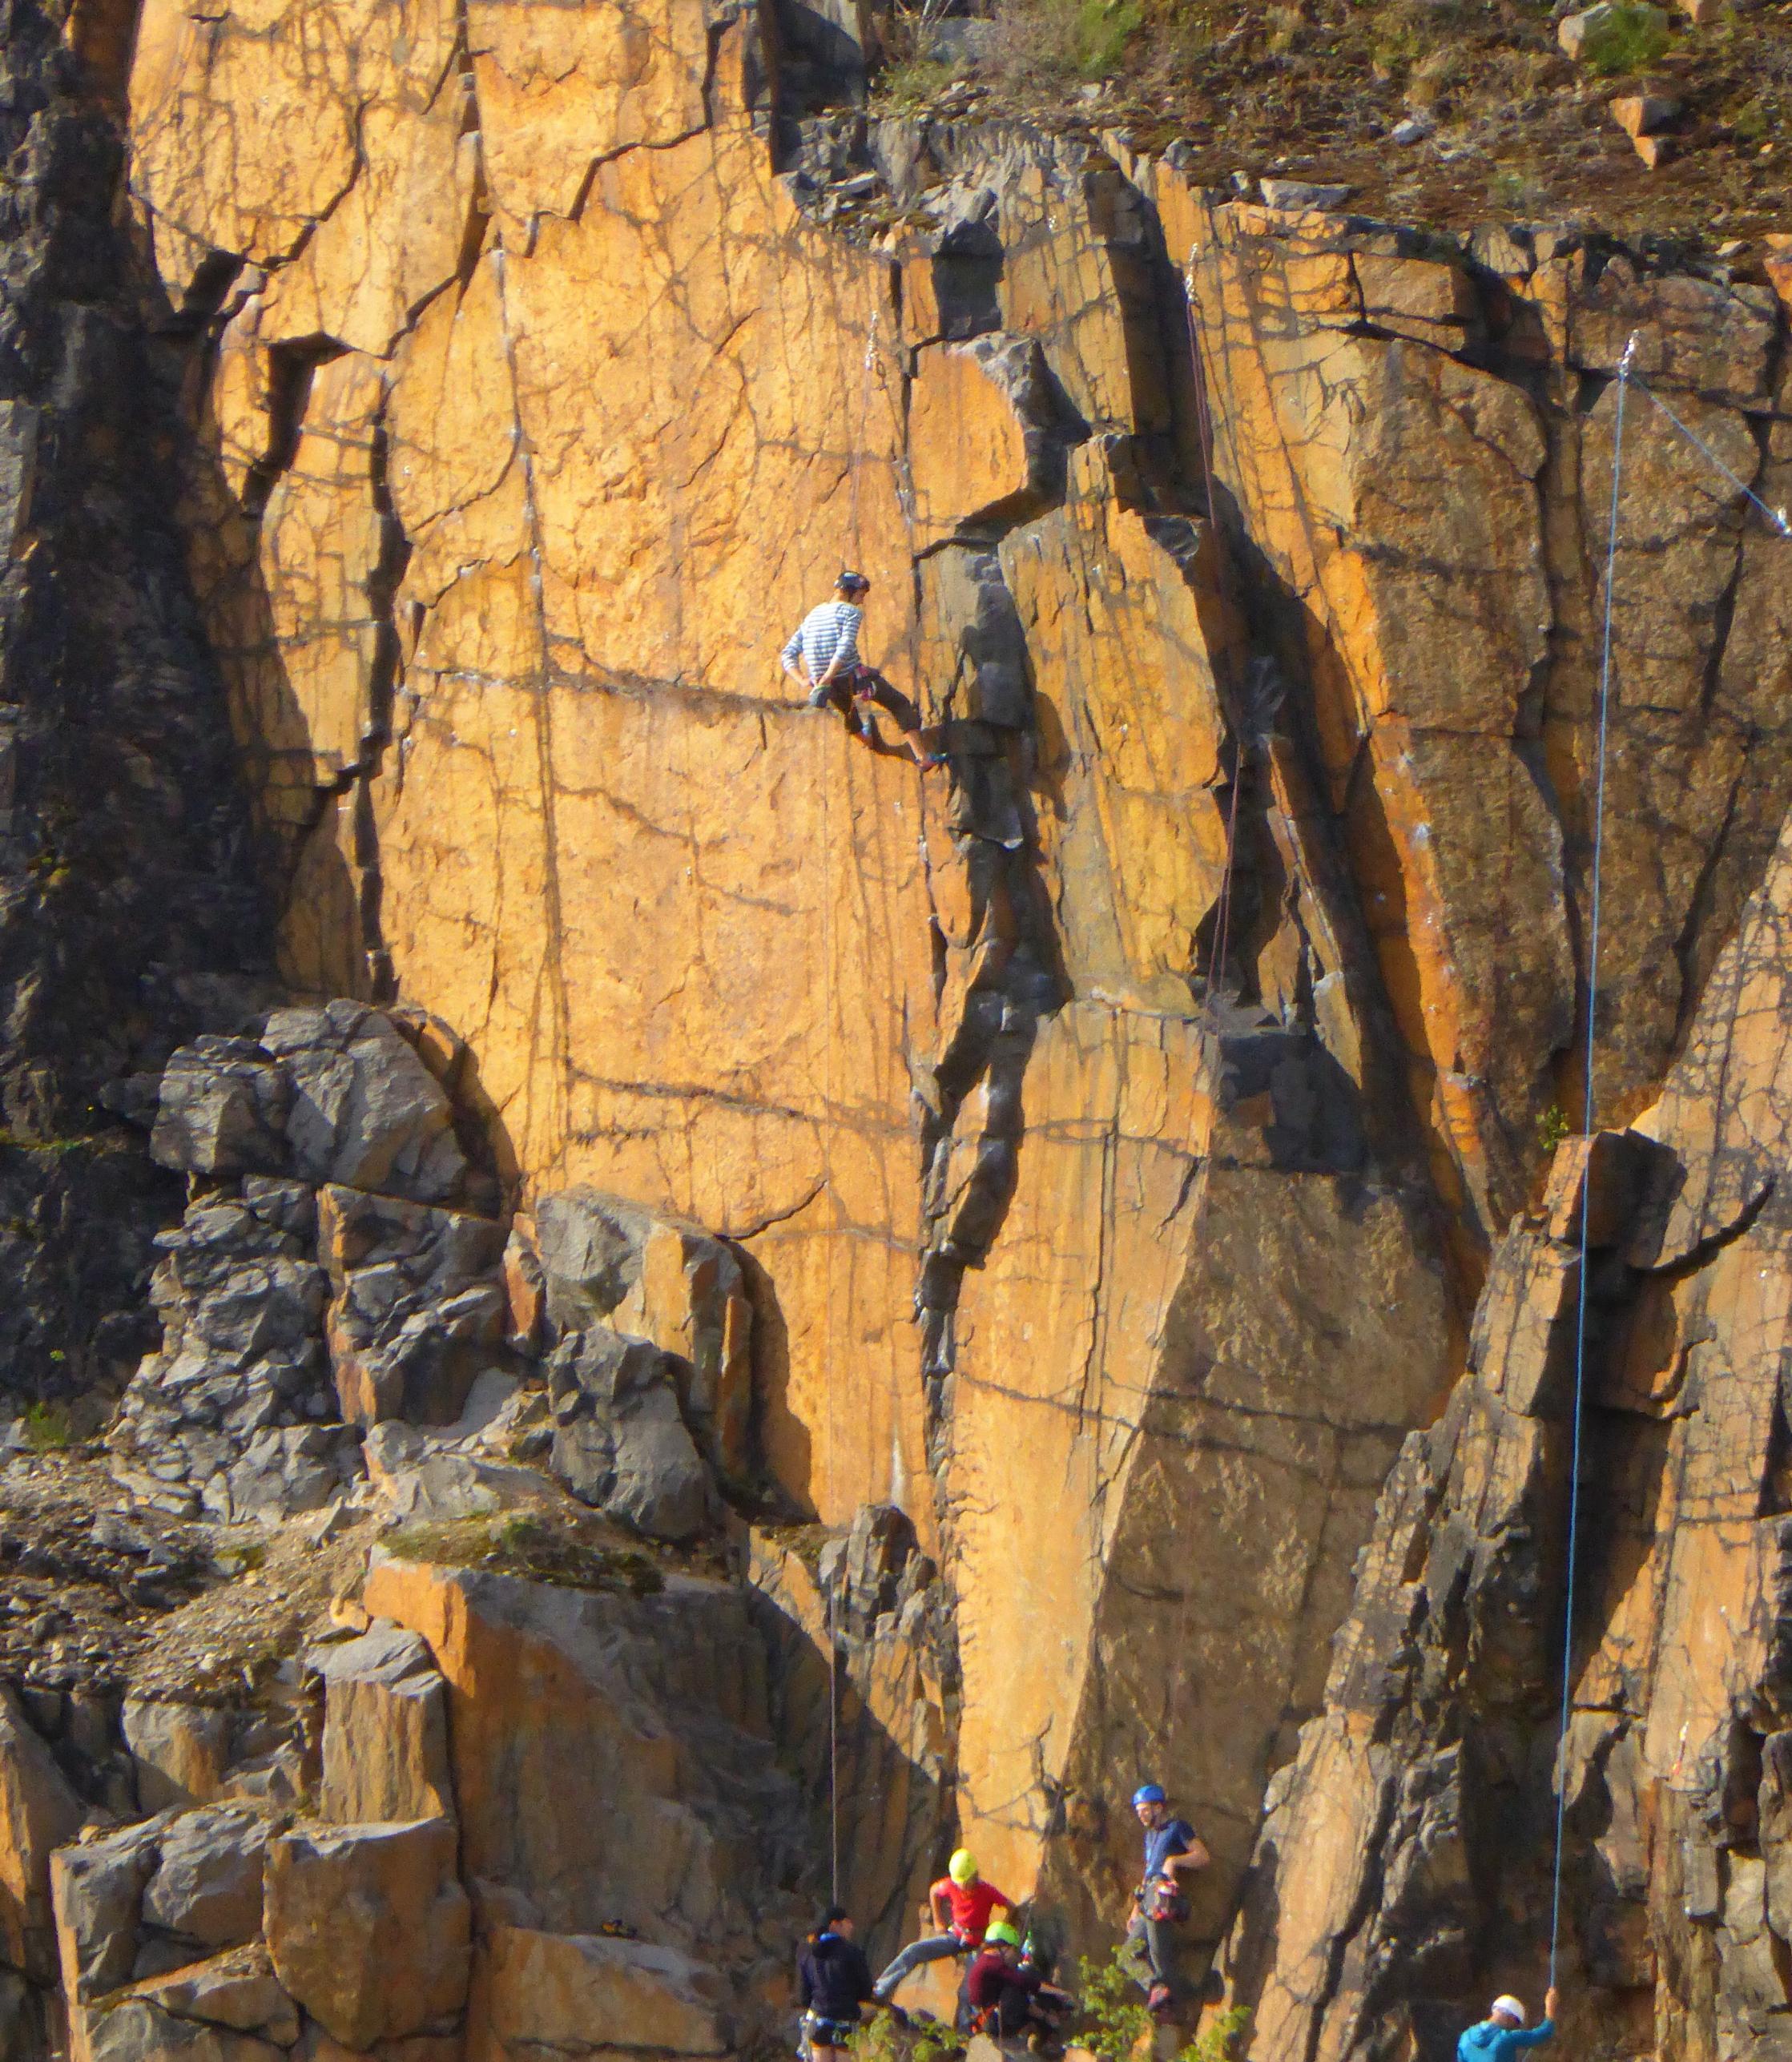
1450,111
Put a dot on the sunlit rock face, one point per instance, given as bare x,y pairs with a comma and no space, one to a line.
1117,1122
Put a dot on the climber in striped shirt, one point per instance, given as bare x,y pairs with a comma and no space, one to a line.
822,655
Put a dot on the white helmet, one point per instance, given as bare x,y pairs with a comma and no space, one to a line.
1508,2007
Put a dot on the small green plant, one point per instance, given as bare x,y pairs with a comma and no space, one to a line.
1103,29
1553,1127
521,1544
1630,39
907,86
1751,121
47,1428
880,2039
1112,2018
1215,2042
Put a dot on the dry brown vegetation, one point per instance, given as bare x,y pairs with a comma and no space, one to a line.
1314,88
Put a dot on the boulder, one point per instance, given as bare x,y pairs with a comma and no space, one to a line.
38,1812
237,1989
368,1926
435,1481
242,1309
418,1308
179,1751
1586,34
207,1885
136,2030
573,1991
366,1111
1304,196
385,1728
604,1261
285,1470
222,1109
619,1443
98,1891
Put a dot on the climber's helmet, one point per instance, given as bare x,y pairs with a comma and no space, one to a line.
1510,2009
1148,1799
852,585
1002,1934
962,1868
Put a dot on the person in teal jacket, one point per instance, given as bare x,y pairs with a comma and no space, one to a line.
1503,2037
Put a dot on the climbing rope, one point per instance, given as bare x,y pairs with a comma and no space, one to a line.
1626,378
1586,1172
856,459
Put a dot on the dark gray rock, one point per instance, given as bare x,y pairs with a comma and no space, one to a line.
222,1109
418,1308
619,1443
366,1112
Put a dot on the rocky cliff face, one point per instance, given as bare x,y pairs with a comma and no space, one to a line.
1053,1187
1408,1851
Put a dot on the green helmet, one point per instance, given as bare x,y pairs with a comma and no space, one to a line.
1001,1931
962,1868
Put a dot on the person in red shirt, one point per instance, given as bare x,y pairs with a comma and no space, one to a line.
962,1904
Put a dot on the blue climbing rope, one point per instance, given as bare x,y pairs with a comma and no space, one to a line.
1586,1172
1777,518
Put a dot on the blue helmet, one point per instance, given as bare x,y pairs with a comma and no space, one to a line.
1148,1792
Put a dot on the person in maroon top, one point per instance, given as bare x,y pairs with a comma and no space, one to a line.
960,1904
1007,1995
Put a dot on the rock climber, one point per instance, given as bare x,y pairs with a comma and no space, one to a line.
1171,1850
1503,2034
1005,1995
836,1982
960,1905
822,655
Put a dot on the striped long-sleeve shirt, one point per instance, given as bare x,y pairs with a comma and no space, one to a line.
826,634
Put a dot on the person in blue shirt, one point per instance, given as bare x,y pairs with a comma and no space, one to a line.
1172,1849
1502,2036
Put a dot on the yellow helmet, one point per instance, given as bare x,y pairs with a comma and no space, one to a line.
962,1868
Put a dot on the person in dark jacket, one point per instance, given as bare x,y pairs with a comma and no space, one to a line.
836,1984
1005,1995
1503,2037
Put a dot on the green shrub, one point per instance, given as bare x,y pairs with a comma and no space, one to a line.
1553,1127
1103,29
1631,38
1051,42
907,86
1112,2017
47,1428
1215,2043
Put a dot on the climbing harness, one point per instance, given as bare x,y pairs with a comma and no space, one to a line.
1627,378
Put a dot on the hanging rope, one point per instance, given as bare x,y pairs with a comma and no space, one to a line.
1626,378
833,1757
869,366
856,462
1586,1175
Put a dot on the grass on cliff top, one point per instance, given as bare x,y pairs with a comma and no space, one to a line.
535,1548
1313,89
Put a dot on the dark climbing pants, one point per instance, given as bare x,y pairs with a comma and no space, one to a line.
846,691
1154,1942
930,1947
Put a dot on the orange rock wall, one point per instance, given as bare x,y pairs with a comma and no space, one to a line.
533,413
